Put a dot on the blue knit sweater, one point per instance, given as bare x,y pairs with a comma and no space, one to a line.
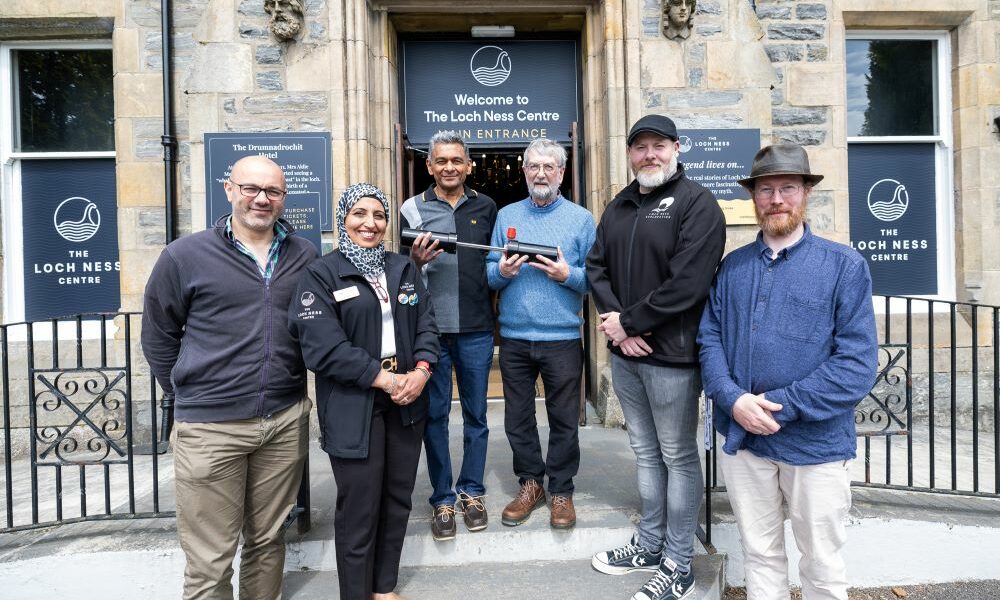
532,306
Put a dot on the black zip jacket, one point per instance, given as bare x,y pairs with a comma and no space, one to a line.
337,321
214,333
653,262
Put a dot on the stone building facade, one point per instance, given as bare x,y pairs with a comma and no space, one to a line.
779,66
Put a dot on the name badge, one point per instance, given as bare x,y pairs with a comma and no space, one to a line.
346,293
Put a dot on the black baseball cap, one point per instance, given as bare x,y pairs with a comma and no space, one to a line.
658,124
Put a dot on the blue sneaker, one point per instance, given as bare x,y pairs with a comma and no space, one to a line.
628,558
667,583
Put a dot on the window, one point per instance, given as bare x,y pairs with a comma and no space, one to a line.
899,156
57,180
64,101
891,87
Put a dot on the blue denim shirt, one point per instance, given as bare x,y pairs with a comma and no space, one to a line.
800,329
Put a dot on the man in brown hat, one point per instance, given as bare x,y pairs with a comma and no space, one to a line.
788,348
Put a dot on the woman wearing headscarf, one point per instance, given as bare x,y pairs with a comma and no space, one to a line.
367,330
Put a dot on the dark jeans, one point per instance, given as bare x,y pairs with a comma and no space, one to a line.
560,364
373,504
472,356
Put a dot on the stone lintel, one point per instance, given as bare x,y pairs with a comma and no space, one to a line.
56,28
910,19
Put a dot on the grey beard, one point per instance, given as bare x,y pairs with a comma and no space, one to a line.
542,197
655,180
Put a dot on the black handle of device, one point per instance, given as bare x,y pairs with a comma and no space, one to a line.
446,241
516,247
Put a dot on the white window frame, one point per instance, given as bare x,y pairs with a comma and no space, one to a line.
944,155
10,190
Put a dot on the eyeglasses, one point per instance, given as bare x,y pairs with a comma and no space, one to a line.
785,191
535,168
250,190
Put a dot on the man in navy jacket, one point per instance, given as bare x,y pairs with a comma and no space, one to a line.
788,348
214,333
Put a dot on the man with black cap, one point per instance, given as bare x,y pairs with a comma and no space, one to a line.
658,244
788,348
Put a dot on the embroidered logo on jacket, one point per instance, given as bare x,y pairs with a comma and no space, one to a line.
662,210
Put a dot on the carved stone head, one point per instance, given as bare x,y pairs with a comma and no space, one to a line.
286,17
676,17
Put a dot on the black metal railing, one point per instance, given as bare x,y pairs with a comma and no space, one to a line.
930,422
82,435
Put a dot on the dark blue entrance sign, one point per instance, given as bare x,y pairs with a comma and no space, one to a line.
304,157
718,159
70,225
893,203
494,93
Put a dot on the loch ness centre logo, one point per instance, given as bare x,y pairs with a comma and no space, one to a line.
490,65
76,219
888,200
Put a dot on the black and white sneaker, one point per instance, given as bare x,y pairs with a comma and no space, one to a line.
628,558
667,584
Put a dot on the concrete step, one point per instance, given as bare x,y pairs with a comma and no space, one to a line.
567,580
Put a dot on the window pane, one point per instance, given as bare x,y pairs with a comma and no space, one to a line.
65,100
891,87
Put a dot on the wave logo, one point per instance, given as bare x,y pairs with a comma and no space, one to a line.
77,219
490,65
888,200
686,144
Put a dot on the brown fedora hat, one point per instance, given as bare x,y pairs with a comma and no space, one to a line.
780,159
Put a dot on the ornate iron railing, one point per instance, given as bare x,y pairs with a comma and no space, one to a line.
82,435
930,422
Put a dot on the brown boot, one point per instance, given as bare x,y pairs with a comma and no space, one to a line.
563,515
528,499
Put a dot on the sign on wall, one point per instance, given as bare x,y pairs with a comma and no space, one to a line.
893,203
494,93
718,159
305,159
70,226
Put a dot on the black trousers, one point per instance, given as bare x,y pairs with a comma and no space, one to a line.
560,365
373,504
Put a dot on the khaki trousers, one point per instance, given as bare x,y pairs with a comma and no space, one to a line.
237,477
818,499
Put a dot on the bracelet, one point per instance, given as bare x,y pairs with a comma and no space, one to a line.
392,384
425,371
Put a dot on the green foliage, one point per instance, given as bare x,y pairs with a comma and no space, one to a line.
900,88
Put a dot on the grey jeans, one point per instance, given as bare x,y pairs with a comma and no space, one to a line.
660,405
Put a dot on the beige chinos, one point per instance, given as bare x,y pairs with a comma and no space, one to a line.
818,499
237,477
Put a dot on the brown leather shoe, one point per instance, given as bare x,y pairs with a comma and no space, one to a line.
562,514
528,499
474,511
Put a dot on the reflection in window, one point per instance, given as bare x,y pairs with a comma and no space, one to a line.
65,100
890,87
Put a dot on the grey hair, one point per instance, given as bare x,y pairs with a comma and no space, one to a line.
546,147
447,136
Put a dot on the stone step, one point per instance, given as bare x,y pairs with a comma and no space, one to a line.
567,580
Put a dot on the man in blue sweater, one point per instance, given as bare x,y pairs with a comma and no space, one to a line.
788,348
540,306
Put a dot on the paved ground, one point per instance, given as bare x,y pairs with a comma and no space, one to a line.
963,590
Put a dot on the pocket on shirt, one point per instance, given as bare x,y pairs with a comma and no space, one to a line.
804,318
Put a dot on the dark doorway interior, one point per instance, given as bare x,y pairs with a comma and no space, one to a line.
496,173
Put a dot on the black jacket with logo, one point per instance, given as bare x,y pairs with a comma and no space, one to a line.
653,262
341,342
